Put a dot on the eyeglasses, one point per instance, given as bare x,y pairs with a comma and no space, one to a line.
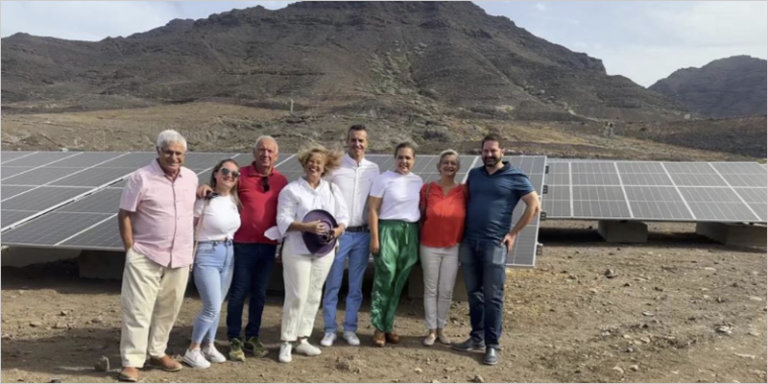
227,171
265,183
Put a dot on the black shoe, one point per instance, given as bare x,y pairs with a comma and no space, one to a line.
491,356
468,345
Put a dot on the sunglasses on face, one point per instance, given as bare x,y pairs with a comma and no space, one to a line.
265,183
227,172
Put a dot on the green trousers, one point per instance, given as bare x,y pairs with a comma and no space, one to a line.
398,253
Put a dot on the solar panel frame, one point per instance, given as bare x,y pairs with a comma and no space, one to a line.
7,156
8,171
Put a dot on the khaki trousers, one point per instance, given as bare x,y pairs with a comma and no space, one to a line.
151,299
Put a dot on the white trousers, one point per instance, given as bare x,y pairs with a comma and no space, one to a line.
151,298
304,277
440,266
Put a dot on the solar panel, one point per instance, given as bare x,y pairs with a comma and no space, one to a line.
94,177
8,191
7,156
717,204
134,160
742,174
105,236
9,171
694,175
88,159
40,158
526,243
557,201
105,201
756,198
657,203
53,228
10,216
39,176
40,198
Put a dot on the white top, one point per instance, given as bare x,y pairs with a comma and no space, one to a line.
221,218
400,196
298,198
355,183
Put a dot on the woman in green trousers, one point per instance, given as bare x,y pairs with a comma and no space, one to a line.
393,208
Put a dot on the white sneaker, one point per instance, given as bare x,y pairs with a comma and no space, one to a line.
305,348
285,352
195,359
328,339
351,338
212,354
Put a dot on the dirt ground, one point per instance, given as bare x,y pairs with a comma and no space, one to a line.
657,321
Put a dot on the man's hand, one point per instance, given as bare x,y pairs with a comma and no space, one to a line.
374,248
337,232
509,241
203,190
317,227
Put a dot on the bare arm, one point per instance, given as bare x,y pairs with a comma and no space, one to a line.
532,208
374,204
126,230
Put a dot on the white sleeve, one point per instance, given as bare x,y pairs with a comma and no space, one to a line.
286,210
342,212
379,184
199,205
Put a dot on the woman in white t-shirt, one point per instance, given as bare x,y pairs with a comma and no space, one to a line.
217,218
393,208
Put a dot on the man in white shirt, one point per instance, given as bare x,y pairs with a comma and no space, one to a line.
354,178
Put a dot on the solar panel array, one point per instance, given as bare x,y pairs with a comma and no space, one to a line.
526,242
70,200
656,191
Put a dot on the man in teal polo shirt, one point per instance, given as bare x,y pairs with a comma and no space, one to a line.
494,191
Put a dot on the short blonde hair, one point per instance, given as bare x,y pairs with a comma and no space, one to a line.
448,152
332,157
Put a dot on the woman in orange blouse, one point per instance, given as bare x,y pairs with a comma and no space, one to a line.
444,208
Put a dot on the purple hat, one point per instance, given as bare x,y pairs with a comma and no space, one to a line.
319,245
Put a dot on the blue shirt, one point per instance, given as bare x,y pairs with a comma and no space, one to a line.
492,198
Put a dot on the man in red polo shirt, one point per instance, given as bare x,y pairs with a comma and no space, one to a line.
258,188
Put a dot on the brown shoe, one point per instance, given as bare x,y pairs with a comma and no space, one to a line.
166,363
379,339
129,374
392,337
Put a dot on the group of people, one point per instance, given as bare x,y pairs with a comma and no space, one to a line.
228,232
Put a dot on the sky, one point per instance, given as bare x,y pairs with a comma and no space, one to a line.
644,41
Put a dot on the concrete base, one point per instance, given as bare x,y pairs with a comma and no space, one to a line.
739,235
106,265
623,231
416,285
23,256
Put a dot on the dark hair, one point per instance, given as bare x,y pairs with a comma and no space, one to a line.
405,145
234,189
357,128
491,137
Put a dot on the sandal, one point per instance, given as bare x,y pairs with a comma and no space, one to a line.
379,339
392,337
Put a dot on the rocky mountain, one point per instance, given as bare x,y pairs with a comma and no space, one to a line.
377,57
731,87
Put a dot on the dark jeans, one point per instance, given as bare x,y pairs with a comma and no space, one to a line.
253,269
484,267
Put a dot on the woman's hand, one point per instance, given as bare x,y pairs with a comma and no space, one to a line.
337,232
317,227
374,248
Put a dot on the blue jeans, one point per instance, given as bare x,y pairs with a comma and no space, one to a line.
356,247
214,263
253,269
484,267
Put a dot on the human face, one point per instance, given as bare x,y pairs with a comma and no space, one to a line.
315,166
229,180
171,157
265,155
357,142
404,160
448,166
492,153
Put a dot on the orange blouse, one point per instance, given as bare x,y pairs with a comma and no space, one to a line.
445,215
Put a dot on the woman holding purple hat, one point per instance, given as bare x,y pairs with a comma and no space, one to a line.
311,216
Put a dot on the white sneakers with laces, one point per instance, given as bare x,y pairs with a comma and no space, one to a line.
305,348
285,352
195,359
351,338
212,354
328,339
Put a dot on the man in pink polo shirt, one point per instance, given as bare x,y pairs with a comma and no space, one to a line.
156,225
